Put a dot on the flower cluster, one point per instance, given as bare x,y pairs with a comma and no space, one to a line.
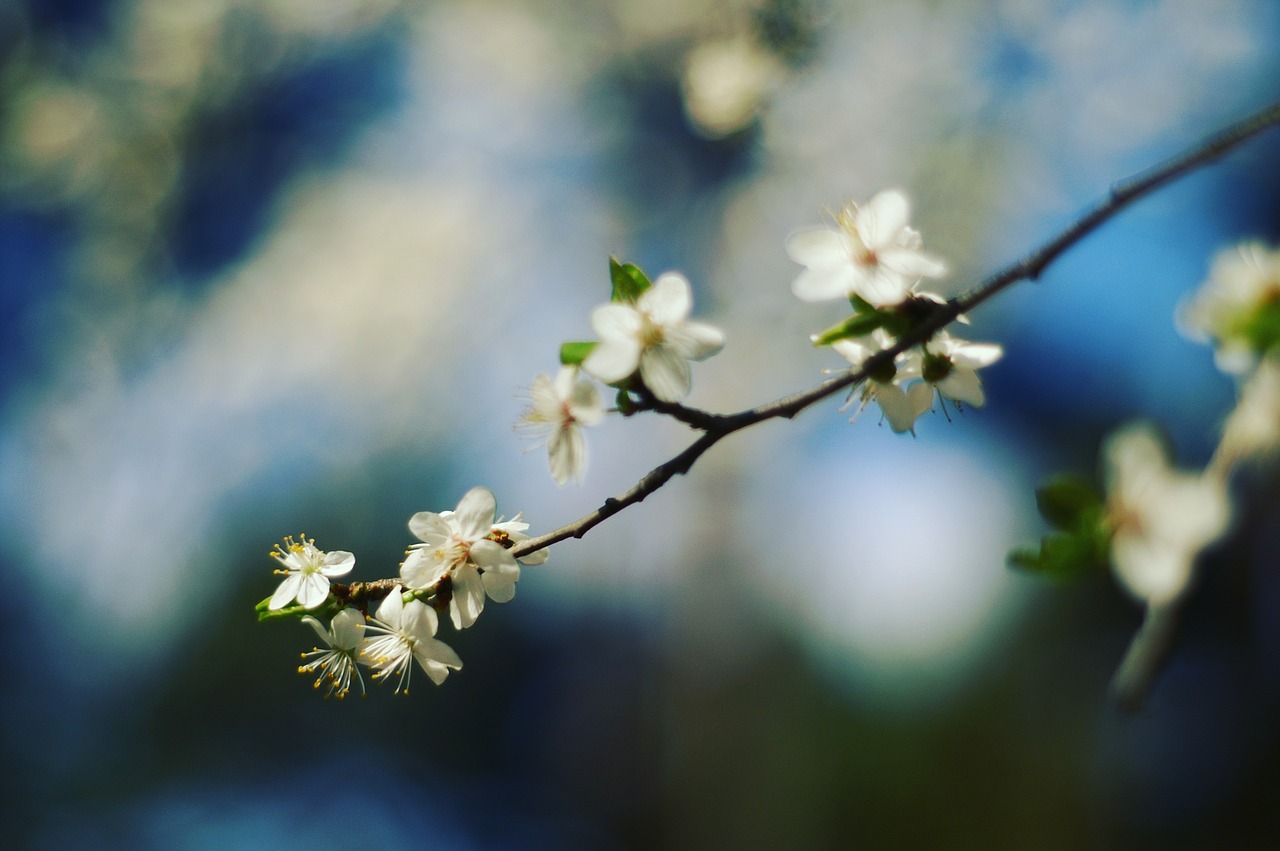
646,343
1154,521
463,558
876,261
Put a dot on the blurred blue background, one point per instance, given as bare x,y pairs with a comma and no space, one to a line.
272,266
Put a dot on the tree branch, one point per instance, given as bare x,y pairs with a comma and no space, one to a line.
718,426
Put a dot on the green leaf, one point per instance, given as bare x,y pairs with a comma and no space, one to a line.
854,326
1061,556
573,354
629,282
1069,503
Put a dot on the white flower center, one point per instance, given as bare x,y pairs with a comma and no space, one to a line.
859,253
651,334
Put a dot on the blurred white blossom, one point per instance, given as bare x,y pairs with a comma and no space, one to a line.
1161,518
1253,427
725,84
1238,307
559,409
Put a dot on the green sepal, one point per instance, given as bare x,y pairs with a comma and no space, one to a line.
629,282
935,368
857,325
295,611
626,405
573,354
1259,326
1070,503
903,319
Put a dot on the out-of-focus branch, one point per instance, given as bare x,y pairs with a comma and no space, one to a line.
718,426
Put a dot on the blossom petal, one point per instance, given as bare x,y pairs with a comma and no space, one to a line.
902,408
584,403
825,283
893,404
882,287
881,220
613,360
920,397
490,555
436,658
665,373
912,264
430,528
501,572
500,587
338,563
475,513
348,629
668,301
419,620
545,396
819,248
853,350
1152,573
567,454
319,628
391,609
613,322
963,385
695,340
313,591
422,570
287,592
976,355
468,597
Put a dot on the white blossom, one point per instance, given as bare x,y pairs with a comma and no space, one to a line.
901,399
345,640
725,83
1252,429
406,632
951,365
654,336
874,255
458,544
559,409
1161,518
306,572
1230,307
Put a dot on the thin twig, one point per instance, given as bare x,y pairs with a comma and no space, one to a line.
1148,650
718,426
